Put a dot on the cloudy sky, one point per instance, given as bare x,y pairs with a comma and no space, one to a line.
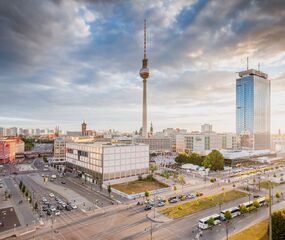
65,61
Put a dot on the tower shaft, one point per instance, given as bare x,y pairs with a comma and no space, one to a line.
144,74
144,116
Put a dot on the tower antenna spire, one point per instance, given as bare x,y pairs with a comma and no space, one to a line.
247,59
144,43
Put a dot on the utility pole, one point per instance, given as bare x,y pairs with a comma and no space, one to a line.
270,217
154,205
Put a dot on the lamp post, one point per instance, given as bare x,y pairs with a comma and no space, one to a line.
270,211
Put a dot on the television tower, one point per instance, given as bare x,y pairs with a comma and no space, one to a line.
144,74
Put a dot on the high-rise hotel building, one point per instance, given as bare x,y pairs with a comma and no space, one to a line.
253,109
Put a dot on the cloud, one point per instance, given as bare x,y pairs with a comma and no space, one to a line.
72,60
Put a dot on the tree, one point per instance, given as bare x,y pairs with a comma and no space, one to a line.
30,199
36,206
146,193
267,199
23,189
228,215
27,194
181,180
182,158
211,222
20,184
174,188
212,180
278,196
255,203
214,161
243,209
109,190
196,159
278,223
152,168
45,159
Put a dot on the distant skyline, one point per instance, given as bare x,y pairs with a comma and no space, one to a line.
62,62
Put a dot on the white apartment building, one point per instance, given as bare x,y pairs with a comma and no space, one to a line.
204,143
109,163
156,144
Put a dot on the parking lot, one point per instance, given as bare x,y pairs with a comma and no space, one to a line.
8,219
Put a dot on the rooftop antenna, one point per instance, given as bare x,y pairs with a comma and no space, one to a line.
144,43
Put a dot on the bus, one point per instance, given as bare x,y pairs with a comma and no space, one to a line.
234,212
261,201
203,222
246,204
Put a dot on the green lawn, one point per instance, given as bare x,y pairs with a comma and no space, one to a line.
201,204
255,232
139,186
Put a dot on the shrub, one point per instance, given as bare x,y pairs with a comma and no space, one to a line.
243,209
211,222
213,180
278,223
255,203
140,178
180,207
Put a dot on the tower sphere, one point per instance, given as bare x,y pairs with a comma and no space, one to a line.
144,73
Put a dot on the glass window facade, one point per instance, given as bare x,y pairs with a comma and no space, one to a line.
253,111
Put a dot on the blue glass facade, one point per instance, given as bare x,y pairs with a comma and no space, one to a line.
253,111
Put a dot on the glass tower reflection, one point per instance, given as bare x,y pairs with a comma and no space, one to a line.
253,109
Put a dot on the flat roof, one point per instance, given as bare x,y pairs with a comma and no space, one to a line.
253,72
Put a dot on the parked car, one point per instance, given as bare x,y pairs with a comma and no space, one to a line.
49,212
62,182
190,195
182,197
51,195
68,208
148,207
53,208
63,204
160,204
199,194
56,198
46,202
59,207
73,206
57,213
44,208
172,200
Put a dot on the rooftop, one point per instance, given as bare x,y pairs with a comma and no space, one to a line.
253,72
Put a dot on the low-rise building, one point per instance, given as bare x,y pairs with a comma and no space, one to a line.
156,144
204,143
278,142
7,151
107,163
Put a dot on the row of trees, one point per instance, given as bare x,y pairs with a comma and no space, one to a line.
27,194
213,161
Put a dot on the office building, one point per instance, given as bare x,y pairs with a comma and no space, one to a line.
107,163
156,144
206,128
253,109
204,143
